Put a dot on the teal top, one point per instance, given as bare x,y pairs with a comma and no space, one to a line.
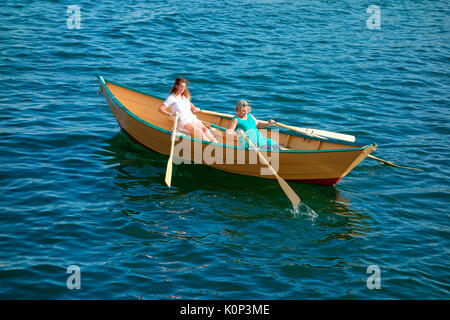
253,134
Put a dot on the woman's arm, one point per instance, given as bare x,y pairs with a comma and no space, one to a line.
194,109
163,110
231,127
263,124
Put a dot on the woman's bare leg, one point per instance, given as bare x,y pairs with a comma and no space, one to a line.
199,131
193,130
208,133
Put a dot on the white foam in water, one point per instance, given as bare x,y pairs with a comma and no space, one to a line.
303,210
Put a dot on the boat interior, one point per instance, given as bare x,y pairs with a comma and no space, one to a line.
146,108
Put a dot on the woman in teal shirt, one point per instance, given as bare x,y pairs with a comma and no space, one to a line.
246,122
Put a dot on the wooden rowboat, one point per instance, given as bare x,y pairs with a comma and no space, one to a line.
302,158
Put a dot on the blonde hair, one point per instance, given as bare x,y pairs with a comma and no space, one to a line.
243,104
186,92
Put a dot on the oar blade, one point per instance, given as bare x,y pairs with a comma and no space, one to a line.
334,135
390,163
295,199
168,178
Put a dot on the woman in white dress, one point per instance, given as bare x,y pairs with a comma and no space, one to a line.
180,102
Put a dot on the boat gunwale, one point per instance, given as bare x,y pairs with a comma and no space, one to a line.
103,83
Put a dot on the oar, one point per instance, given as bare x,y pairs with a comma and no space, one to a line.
295,199
169,163
391,163
319,133
338,136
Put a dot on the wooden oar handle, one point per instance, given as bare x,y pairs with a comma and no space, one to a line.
285,126
175,125
264,160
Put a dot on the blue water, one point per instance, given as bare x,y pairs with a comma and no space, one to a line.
77,191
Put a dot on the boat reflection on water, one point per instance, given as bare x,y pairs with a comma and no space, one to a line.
140,177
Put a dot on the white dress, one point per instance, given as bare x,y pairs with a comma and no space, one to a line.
182,106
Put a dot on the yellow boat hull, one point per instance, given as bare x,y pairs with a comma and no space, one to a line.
302,159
